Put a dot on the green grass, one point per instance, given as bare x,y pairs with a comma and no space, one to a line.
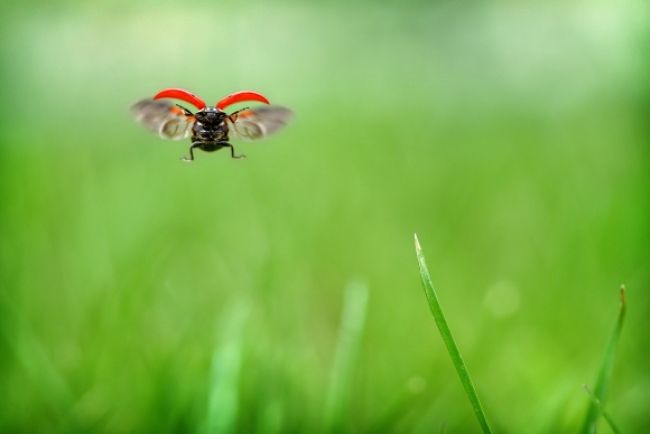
596,406
601,410
337,410
223,400
448,338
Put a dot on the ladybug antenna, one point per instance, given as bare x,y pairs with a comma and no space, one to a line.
244,95
181,94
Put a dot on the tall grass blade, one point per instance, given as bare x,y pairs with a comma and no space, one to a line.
352,325
223,399
602,380
448,339
595,401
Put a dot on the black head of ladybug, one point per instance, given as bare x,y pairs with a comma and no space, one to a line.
210,116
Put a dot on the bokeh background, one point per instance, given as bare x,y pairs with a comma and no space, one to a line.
281,293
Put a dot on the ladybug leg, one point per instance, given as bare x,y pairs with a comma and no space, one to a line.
232,151
194,145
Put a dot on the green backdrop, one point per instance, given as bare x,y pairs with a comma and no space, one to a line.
142,294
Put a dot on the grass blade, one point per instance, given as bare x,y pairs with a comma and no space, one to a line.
602,381
352,325
449,341
595,401
221,416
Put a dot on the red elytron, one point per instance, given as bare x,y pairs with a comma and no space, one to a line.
210,126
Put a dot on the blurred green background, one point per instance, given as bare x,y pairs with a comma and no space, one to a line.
141,294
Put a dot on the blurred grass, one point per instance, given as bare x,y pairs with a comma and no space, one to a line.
605,373
223,402
526,126
599,406
349,341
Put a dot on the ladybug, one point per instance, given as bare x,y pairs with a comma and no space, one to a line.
210,126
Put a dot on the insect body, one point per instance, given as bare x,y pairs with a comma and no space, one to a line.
209,127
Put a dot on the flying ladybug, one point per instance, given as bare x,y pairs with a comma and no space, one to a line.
210,126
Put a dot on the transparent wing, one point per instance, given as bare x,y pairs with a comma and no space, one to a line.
253,124
163,118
